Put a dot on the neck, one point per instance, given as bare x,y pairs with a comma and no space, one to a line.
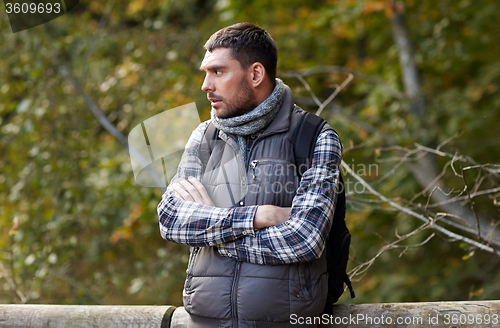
264,90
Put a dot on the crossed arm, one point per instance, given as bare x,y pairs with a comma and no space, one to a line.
258,234
265,216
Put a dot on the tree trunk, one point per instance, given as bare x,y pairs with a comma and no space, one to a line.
425,169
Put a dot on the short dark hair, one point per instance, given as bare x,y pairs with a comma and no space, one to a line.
249,44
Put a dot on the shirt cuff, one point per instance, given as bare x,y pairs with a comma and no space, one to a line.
242,219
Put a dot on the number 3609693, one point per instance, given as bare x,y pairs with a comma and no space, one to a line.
40,8
471,319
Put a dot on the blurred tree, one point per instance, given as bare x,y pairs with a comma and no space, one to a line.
76,229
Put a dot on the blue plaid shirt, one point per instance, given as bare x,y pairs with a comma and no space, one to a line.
301,238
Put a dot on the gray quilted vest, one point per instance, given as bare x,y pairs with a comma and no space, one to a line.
222,292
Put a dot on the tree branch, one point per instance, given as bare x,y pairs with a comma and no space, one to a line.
346,71
102,119
422,218
12,283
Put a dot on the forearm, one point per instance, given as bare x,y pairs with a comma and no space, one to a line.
270,215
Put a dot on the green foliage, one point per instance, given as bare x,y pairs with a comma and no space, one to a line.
76,229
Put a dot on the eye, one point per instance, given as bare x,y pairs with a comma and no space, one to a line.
218,72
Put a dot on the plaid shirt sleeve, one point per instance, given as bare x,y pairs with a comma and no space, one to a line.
193,224
303,237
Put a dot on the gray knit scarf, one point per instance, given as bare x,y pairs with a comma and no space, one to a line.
254,121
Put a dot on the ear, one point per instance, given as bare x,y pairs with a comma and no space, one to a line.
257,74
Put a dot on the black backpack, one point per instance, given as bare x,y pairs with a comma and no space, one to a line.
339,239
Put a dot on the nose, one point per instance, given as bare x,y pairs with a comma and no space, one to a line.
207,85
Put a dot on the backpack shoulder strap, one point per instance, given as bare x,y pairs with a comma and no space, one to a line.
304,139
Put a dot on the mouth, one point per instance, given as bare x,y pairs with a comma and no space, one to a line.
215,102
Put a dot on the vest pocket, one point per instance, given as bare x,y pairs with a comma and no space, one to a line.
309,286
207,301
271,182
187,292
207,291
264,299
192,257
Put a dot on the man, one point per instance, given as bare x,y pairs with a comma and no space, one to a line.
257,233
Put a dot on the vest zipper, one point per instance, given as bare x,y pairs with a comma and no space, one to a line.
271,160
234,294
190,275
191,263
253,165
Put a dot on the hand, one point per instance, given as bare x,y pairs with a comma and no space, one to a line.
270,215
192,190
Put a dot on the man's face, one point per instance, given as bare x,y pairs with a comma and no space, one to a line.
227,84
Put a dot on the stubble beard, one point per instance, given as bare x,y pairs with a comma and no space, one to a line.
243,102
